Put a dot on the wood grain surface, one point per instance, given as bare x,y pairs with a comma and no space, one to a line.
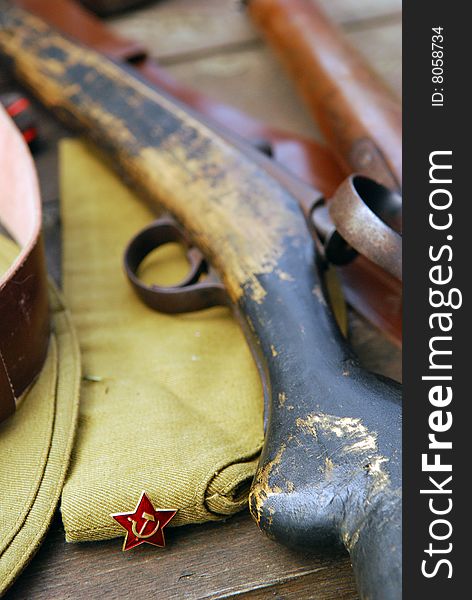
217,560
210,45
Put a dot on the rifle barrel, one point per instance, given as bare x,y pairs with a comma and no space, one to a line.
358,114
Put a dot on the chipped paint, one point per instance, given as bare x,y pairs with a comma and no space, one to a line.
328,467
284,276
342,427
282,399
355,439
351,539
379,476
318,293
273,350
261,489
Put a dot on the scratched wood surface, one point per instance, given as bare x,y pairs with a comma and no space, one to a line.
210,45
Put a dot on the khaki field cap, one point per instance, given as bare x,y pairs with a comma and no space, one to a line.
39,367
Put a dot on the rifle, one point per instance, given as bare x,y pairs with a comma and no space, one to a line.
374,293
330,470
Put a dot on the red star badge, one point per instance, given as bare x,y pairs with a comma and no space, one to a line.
145,524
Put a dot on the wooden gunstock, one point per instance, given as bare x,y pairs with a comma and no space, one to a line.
330,471
372,292
356,111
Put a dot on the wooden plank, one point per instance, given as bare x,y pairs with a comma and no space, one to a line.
253,80
186,36
349,13
382,47
178,29
214,561
175,27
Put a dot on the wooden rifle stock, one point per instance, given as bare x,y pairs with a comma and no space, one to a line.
330,471
356,111
371,291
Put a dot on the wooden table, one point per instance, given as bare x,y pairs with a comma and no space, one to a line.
211,45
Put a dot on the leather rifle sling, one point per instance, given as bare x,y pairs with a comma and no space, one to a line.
24,308
370,290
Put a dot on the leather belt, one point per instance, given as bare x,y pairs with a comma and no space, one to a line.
24,308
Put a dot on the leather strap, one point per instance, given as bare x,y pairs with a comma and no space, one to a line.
24,308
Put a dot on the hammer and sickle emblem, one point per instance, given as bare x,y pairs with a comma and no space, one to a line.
147,519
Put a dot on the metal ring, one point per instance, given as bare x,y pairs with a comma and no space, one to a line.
188,295
361,210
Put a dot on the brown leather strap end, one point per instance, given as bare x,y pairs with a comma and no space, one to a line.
24,322
24,304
